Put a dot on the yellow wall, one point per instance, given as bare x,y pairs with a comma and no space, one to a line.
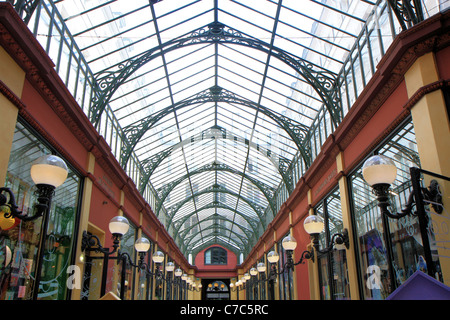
431,125
13,77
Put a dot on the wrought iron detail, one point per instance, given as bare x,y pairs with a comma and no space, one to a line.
268,191
214,205
408,12
259,210
25,8
243,240
108,81
133,133
150,164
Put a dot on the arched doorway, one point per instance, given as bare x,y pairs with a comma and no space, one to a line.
216,289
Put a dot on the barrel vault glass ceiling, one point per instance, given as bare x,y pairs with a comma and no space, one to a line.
215,108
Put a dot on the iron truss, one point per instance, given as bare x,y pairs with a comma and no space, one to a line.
193,223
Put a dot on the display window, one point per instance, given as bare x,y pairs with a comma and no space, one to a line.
333,274
389,250
24,240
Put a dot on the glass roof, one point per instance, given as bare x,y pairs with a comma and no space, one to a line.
217,106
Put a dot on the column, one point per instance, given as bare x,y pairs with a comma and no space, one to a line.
431,125
347,222
84,221
13,77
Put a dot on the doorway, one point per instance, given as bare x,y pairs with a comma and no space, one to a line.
216,289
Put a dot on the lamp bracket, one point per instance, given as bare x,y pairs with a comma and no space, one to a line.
44,195
431,194
91,242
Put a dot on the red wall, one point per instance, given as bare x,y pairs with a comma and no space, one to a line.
216,271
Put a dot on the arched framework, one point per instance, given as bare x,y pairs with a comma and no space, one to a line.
266,190
216,132
134,133
320,79
262,87
257,209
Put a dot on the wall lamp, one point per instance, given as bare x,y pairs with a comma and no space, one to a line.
142,245
238,285
47,172
260,269
118,226
313,225
380,172
192,286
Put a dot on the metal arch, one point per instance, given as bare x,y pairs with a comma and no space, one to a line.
215,217
267,191
133,133
215,132
214,205
259,210
240,237
322,81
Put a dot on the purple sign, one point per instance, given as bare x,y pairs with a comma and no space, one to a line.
421,286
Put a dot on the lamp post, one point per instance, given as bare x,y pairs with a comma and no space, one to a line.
177,283
118,226
380,173
257,276
47,172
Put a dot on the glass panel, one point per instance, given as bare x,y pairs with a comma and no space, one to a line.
325,288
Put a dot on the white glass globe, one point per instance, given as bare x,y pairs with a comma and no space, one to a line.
379,169
273,257
178,272
119,225
158,257
314,224
170,267
184,277
253,272
142,245
50,170
261,267
289,243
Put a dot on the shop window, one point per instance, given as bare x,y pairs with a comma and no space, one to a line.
215,255
389,250
18,280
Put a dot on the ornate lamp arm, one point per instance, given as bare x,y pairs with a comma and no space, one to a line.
91,242
44,196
